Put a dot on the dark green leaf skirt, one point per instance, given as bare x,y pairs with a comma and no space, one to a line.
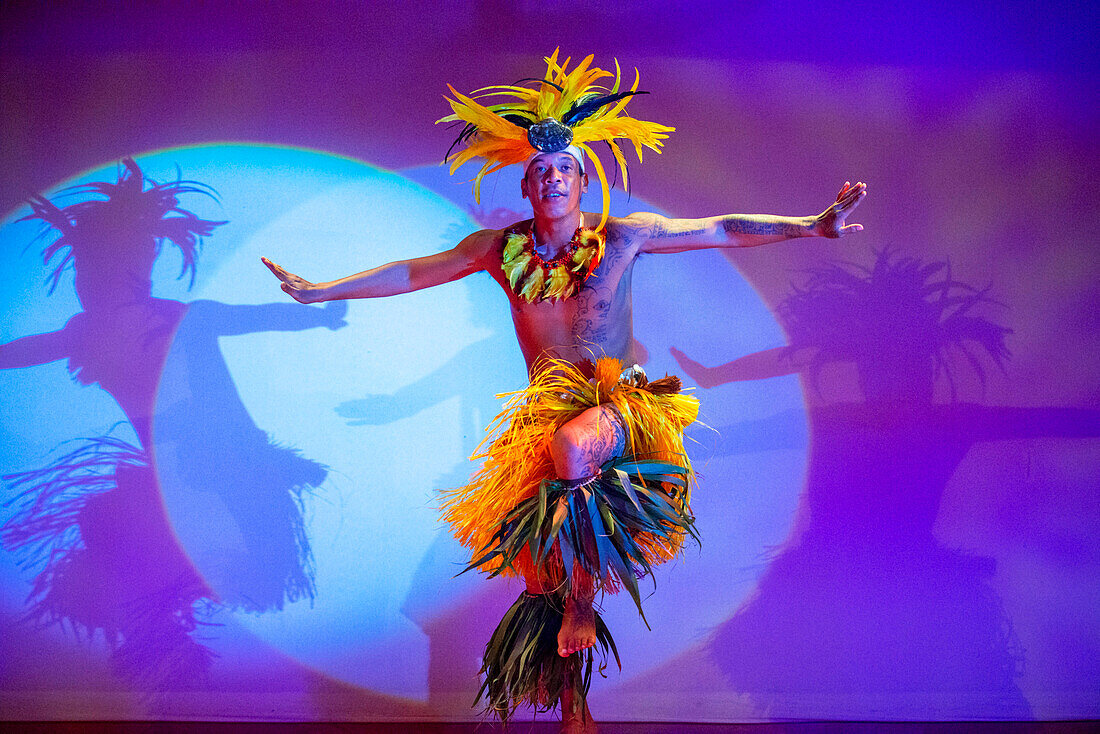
592,529
522,665
607,527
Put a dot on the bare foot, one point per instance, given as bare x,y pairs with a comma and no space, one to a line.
578,627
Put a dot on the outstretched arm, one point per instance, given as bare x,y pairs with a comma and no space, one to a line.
746,230
401,276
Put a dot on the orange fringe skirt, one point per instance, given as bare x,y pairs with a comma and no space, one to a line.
516,452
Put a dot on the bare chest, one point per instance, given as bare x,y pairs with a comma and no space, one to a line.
596,321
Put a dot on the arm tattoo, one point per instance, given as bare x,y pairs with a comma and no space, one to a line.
745,225
660,230
664,231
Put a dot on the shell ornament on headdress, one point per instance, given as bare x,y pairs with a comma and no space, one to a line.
562,109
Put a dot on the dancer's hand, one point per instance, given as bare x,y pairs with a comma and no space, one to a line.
830,223
300,289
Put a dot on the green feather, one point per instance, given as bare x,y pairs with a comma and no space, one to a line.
515,268
627,486
532,284
513,245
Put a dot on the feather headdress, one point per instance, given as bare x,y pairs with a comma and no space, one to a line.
561,109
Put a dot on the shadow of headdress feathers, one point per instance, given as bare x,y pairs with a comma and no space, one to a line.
136,212
847,312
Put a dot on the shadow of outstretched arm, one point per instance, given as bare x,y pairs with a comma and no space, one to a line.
756,366
229,320
30,351
453,378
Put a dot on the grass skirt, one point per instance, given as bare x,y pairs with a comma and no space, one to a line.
603,534
586,535
518,469
92,527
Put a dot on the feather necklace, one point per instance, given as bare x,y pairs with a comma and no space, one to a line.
534,279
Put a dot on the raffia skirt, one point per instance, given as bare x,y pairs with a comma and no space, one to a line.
602,534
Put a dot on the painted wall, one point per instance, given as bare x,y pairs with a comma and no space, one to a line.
221,504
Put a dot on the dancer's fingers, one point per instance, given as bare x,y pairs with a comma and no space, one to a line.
276,270
851,193
853,196
851,203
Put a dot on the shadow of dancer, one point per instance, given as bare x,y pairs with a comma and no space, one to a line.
862,612
454,633
93,524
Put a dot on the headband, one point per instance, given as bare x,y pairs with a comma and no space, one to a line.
571,150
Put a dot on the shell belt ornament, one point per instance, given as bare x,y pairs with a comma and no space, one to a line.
534,279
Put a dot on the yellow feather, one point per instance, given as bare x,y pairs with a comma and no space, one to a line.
621,104
518,91
513,245
615,89
487,121
515,268
617,152
532,286
551,61
580,257
557,283
606,189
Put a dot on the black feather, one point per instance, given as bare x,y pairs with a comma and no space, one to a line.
615,181
540,81
586,106
518,120
468,130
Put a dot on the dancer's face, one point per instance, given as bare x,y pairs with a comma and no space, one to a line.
554,184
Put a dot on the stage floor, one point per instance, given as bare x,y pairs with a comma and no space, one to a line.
527,727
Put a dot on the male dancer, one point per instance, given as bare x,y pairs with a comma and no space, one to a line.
585,484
